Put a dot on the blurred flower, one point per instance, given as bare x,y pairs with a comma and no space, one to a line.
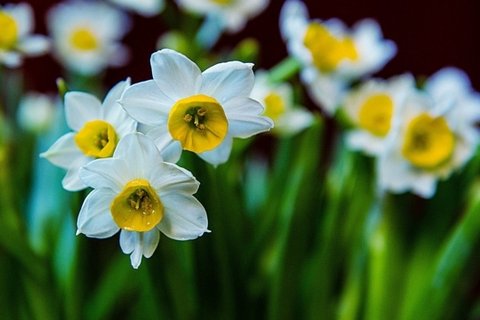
232,13
372,108
86,36
145,8
36,112
97,129
16,40
331,55
195,111
437,135
137,192
277,99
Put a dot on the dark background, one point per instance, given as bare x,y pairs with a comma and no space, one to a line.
430,34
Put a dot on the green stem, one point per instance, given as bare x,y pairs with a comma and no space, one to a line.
284,70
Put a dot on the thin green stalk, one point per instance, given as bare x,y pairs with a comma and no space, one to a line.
284,70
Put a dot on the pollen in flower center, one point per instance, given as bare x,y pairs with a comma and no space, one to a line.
137,207
8,31
428,142
198,123
328,50
83,39
375,114
274,106
97,139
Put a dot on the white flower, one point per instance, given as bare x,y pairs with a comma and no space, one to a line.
437,135
137,192
86,36
36,112
195,111
145,8
97,128
331,55
234,14
277,99
373,108
16,40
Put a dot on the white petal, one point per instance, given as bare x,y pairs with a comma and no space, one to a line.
220,154
105,173
34,45
169,178
64,152
72,181
244,119
293,121
81,107
184,219
293,17
23,15
176,75
228,80
113,96
11,59
150,242
146,103
139,153
139,244
95,219
170,149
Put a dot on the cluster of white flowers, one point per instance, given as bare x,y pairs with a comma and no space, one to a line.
137,186
418,135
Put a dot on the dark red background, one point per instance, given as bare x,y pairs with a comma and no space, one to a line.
430,34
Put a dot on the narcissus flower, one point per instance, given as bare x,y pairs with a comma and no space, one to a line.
195,111
145,8
139,194
437,135
331,54
16,40
233,14
277,99
97,128
86,36
373,108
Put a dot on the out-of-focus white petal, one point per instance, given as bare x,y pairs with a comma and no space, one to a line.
146,103
184,219
228,80
176,76
139,244
95,219
11,59
81,107
34,45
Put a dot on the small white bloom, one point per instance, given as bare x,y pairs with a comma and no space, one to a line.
234,14
373,108
195,111
16,40
97,128
277,99
36,112
145,8
331,54
139,194
86,36
437,135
